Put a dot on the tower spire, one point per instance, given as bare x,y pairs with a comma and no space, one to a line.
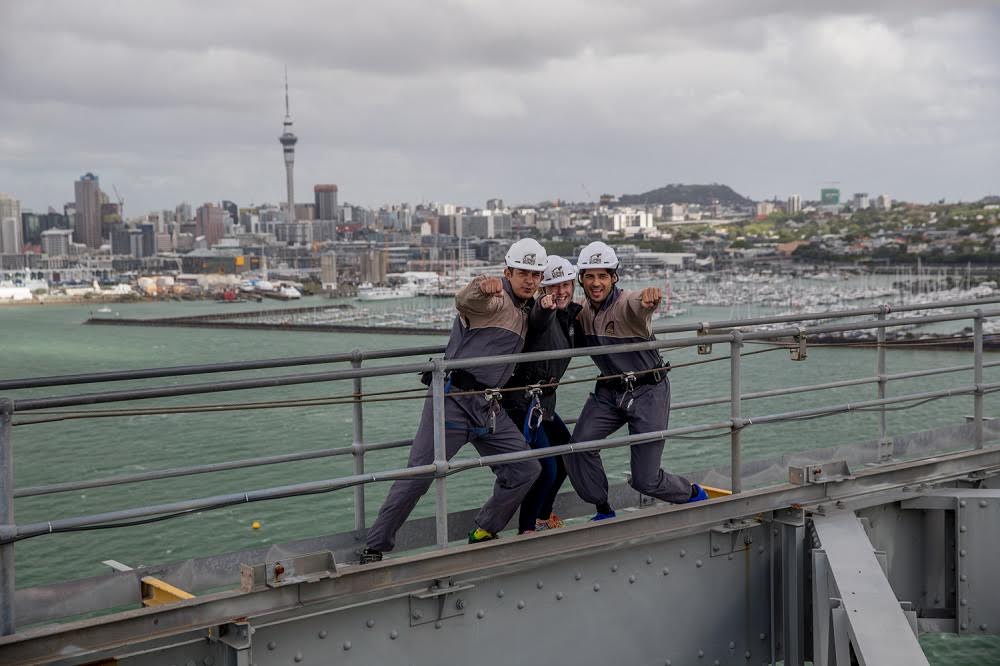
288,113
288,141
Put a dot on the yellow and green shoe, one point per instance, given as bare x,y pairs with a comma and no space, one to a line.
479,535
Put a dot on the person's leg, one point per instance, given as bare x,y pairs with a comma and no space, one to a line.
529,506
600,417
405,493
513,480
557,434
650,412
540,489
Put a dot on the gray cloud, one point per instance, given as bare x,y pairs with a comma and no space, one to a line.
463,100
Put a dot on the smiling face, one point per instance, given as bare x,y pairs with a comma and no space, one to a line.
523,283
562,293
597,283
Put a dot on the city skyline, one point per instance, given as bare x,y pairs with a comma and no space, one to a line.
566,101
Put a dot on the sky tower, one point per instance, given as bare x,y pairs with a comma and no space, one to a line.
288,141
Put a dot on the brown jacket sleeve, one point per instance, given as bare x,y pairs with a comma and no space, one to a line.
636,316
469,301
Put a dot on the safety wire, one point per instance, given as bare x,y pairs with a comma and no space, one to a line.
51,416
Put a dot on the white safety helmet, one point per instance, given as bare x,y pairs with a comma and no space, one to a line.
557,270
526,254
597,255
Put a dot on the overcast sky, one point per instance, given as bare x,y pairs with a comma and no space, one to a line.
461,101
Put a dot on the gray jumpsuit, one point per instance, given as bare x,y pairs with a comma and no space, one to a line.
621,319
485,326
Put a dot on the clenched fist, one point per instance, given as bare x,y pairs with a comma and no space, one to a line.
491,286
650,298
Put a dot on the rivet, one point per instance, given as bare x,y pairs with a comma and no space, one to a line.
964,602
763,637
208,661
683,552
597,587
577,576
500,594
982,627
417,615
760,549
716,662
962,552
393,634
520,605
962,503
962,528
666,571
370,623
964,626
189,662
272,645
668,663
983,503
730,556
298,656
480,614
614,567
559,596
322,634
631,579
732,645
698,563
438,624
746,655
539,585
715,548
347,645
649,560
964,577
701,653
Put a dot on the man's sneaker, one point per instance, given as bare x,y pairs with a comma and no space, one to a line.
698,493
555,522
370,555
480,535
541,525
602,516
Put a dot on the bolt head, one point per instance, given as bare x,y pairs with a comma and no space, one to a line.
322,634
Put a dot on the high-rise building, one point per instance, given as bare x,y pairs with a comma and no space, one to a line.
288,141
210,221
11,238
87,225
328,270
764,208
233,211
829,196
494,204
794,205
56,242
326,202
883,202
860,200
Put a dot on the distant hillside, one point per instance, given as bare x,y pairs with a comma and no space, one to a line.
689,194
991,199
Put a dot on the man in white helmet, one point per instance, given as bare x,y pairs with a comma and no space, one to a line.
551,325
633,388
492,320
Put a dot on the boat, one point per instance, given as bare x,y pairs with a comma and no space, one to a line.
370,293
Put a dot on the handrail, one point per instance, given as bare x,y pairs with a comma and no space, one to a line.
739,332
343,357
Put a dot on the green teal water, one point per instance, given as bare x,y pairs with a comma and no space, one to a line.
47,340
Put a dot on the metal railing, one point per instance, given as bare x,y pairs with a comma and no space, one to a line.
735,333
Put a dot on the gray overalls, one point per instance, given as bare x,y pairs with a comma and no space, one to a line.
485,326
643,404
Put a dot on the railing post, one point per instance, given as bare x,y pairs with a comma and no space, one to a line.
884,443
440,454
6,518
358,444
977,370
736,454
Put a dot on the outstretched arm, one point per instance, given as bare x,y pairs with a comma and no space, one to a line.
484,295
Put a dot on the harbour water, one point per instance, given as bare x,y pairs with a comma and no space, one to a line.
48,340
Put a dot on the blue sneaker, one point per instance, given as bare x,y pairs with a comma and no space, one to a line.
603,516
698,493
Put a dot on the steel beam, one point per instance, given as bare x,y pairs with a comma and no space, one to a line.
880,632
